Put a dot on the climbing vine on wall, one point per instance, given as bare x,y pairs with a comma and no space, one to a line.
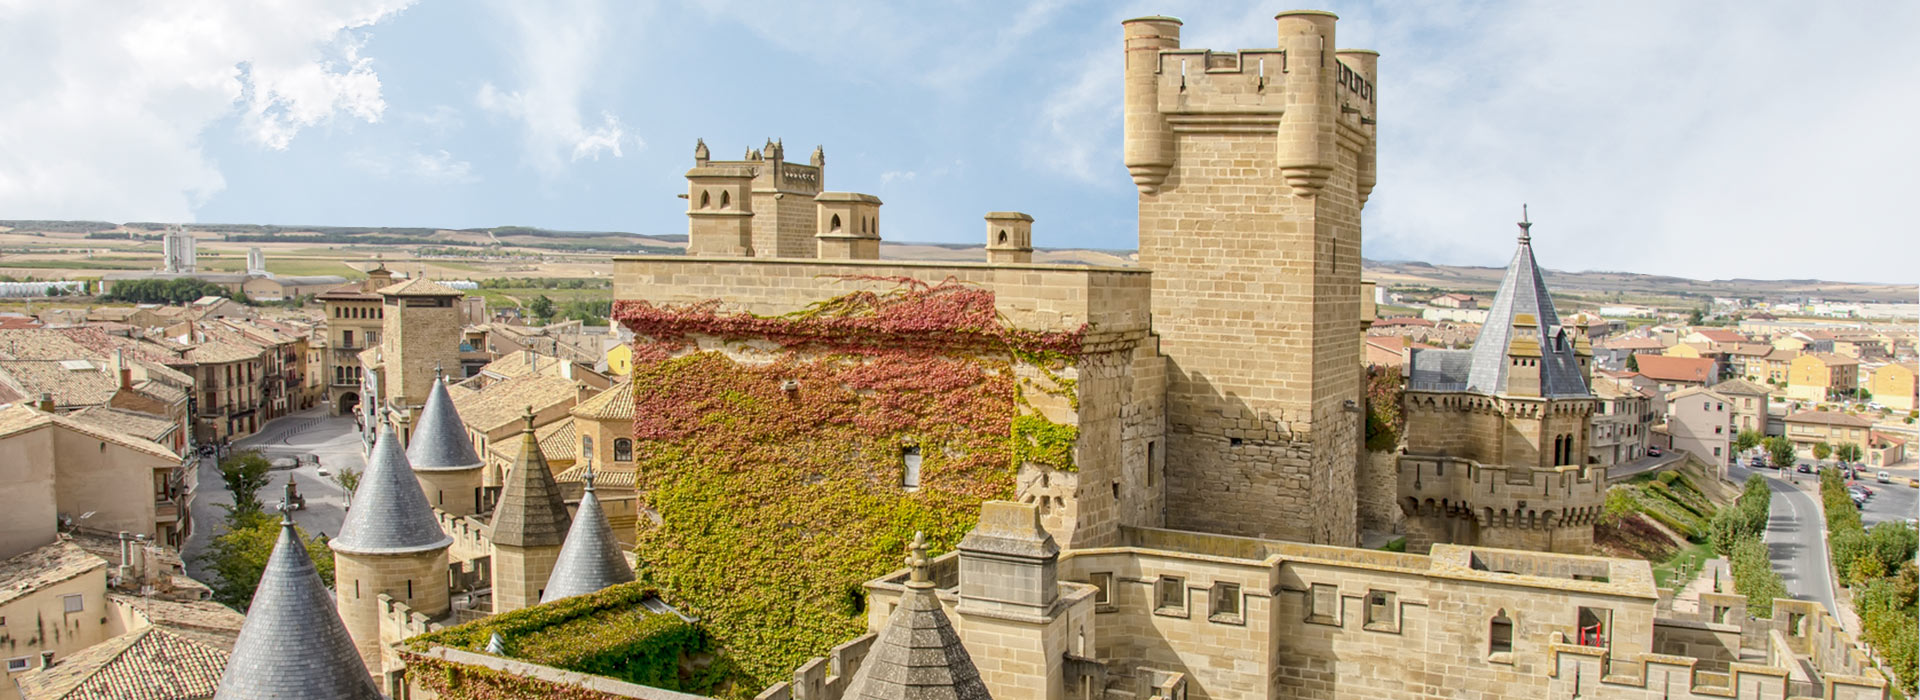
1384,418
779,477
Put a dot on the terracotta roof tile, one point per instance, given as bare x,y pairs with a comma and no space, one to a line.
1676,369
1829,418
146,664
44,566
616,403
501,403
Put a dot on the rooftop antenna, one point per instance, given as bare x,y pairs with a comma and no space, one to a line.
1526,227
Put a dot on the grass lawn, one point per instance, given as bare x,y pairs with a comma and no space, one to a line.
463,267
71,265
297,266
1680,568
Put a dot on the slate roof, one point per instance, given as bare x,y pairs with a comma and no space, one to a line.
440,441
531,512
590,559
390,514
917,655
146,664
1520,320
293,644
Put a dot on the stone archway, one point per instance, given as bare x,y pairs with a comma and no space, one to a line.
348,404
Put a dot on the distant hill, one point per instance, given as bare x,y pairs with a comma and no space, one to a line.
1595,286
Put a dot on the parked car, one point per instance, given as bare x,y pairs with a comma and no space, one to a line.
1913,483
323,472
1804,468
1653,452
1859,501
1883,478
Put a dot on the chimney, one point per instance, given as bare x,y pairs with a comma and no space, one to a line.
46,659
1009,237
46,401
126,373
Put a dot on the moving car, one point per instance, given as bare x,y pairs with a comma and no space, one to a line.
1804,468
1653,452
1883,478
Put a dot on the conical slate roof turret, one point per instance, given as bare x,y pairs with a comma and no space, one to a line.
590,560
917,654
440,442
531,512
293,644
390,514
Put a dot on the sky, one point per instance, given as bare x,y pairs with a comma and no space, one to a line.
1706,139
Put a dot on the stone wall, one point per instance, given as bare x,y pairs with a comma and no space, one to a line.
520,574
418,341
360,580
1378,489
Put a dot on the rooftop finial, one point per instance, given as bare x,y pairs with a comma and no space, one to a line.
588,477
286,507
1526,227
917,560
528,417
439,373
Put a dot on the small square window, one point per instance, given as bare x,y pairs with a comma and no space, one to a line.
1224,603
1382,611
74,603
1323,604
18,664
1103,588
1170,595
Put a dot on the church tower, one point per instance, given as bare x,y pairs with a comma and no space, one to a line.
390,543
1254,310
421,334
530,523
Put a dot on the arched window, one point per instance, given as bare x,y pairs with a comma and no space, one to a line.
834,224
622,450
706,198
725,199
1500,634
1003,236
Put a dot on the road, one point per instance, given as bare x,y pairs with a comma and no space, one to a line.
332,438
1622,472
1796,536
1895,501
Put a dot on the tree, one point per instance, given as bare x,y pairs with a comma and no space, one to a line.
541,307
1633,363
1747,440
245,473
1780,450
1847,452
1696,316
1822,450
349,480
238,556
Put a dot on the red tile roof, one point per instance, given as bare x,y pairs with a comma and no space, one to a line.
1698,370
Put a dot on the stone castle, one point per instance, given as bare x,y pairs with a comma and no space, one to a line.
1181,514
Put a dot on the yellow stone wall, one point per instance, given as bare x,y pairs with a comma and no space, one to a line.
360,579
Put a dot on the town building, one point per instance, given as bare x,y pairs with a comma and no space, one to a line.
1622,423
354,321
1819,376
1701,422
1894,385
74,472
1809,428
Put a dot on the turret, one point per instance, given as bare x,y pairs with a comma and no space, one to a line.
1360,107
700,153
1306,129
720,211
293,644
1009,237
590,559
390,543
848,226
443,457
918,654
1149,141
530,524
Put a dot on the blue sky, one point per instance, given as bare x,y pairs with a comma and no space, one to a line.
1703,139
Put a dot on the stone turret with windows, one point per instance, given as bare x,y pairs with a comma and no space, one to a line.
1497,435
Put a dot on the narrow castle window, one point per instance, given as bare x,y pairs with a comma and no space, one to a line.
726,199
1225,602
1103,587
1003,237
1379,609
1150,465
834,224
706,199
1500,635
1170,595
910,468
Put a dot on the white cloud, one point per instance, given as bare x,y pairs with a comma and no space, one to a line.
104,104
890,176
557,47
436,167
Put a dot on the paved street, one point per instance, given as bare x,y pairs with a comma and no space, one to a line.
313,432
1895,501
1622,472
1796,536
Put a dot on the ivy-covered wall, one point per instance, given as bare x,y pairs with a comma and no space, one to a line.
774,450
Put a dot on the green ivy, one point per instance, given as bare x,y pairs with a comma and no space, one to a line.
1036,440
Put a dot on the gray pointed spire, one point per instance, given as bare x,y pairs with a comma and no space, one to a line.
495,645
590,559
293,644
917,655
390,514
440,442
531,512
1522,311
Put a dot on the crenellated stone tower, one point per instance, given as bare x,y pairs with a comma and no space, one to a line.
1252,168
1496,436
421,335
758,206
